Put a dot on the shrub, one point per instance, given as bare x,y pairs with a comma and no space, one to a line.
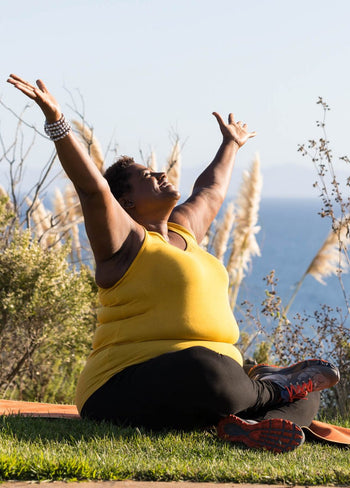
46,317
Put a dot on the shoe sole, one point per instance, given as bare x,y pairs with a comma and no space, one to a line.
276,435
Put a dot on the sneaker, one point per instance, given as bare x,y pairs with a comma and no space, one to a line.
276,435
298,380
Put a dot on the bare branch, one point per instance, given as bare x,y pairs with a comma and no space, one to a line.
19,117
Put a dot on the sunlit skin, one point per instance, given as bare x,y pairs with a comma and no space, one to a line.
116,228
151,193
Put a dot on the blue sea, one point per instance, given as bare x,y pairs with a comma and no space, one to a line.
291,234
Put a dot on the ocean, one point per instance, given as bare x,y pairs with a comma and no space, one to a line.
291,234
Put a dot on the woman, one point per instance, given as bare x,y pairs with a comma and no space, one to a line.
163,353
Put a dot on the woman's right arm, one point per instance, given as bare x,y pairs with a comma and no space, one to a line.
107,224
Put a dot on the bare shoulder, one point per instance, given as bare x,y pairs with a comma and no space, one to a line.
181,216
190,218
196,217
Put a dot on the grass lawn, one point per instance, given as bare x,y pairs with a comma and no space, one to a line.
50,449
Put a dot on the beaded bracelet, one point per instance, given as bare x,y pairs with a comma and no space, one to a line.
57,130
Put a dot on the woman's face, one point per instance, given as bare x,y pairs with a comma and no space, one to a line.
149,188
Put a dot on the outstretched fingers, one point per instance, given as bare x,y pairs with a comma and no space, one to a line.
40,94
219,119
30,92
236,131
19,82
14,78
42,86
231,119
25,87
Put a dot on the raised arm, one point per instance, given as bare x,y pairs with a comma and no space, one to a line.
210,188
108,225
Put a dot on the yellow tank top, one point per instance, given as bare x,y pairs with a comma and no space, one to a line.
168,300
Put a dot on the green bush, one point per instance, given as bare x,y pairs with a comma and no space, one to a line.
46,316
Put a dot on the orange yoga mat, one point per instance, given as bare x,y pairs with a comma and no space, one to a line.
35,409
317,430
329,433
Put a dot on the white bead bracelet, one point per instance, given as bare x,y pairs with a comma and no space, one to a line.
57,130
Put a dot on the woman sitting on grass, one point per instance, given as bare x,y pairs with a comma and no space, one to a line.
163,353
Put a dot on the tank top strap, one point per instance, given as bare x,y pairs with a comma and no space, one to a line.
182,231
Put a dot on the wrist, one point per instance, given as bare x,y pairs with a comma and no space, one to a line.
52,113
228,142
52,117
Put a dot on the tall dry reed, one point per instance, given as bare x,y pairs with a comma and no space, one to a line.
330,259
89,140
43,223
59,205
4,194
74,217
152,161
244,245
173,168
223,232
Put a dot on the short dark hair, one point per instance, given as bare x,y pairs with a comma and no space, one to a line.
118,175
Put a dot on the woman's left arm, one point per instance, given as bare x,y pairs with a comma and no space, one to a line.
210,188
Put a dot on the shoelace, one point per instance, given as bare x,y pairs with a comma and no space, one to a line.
296,392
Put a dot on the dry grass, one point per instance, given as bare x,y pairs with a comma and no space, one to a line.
173,168
223,232
244,245
152,161
330,259
87,137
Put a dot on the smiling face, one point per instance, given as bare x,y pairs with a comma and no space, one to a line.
150,191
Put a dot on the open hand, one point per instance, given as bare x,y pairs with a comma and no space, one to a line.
234,131
40,95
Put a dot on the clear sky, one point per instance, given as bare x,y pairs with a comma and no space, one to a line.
149,67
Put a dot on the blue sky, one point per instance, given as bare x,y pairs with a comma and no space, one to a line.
146,68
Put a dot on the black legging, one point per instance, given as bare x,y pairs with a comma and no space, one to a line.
188,389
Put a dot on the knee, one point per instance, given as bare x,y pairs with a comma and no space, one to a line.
214,379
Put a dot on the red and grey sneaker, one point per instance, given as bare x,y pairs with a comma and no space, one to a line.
276,435
298,380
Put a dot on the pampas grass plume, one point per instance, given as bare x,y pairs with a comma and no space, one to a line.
223,231
35,216
245,245
329,259
72,204
87,137
174,165
152,163
73,216
59,205
4,194
43,222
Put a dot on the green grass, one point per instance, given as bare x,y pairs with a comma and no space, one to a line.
48,449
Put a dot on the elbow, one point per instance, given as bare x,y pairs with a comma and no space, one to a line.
214,194
94,188
218,195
